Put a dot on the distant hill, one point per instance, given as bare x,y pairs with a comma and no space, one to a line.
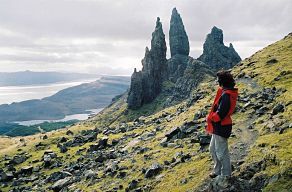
77,99
37,78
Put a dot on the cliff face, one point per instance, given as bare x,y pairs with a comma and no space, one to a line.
146,84
216,54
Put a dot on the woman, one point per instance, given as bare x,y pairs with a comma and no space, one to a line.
219,123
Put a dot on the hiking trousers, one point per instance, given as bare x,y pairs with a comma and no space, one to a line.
220,155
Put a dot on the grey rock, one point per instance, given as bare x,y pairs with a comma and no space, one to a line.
154,169
172,132
278,109
27,170
216,54
6,176
63,149
58,175
89,174
69,132
60,184
204,140
132,185
17,159
146,84
178,39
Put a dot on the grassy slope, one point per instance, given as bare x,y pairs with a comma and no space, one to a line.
258,64
195,170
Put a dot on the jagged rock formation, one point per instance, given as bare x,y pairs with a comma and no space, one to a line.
216,54
181,70
179,47
146,84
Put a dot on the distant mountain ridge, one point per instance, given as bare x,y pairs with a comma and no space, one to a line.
36,78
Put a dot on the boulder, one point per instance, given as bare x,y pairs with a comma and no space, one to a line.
204,140
172,132
60,184
58,175
17,159
153,170
69,132
279,108
27,170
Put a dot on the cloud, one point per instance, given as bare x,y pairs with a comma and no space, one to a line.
107,36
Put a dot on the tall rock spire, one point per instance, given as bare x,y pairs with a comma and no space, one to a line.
147,83
216,54
178,39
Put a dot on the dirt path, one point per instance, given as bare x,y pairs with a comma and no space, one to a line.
245,137
243,130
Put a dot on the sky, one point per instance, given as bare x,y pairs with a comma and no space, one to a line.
110,36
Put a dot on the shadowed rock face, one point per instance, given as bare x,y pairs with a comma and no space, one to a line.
147,84
178,39
135,94
216,54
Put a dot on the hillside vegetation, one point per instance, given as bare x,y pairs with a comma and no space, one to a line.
162,147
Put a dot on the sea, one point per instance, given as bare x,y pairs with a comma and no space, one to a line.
10,94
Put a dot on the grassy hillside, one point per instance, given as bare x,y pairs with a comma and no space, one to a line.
260,145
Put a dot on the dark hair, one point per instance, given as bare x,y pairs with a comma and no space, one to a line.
225,79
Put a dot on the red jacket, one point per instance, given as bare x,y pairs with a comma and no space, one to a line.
219,120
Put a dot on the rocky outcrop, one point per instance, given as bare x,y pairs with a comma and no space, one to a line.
135,94
146,84
181,70
216,54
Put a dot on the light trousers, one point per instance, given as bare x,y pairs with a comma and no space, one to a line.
220,155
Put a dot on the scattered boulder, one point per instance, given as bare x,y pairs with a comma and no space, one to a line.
27,170
48,158
272,61
6,176
278,109
60,184
132,185
63,148
45,137
154,169
204,140
89,174
172,132
17,159
58,175
69,132
63,140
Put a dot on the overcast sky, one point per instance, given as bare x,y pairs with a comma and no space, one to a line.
110,36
